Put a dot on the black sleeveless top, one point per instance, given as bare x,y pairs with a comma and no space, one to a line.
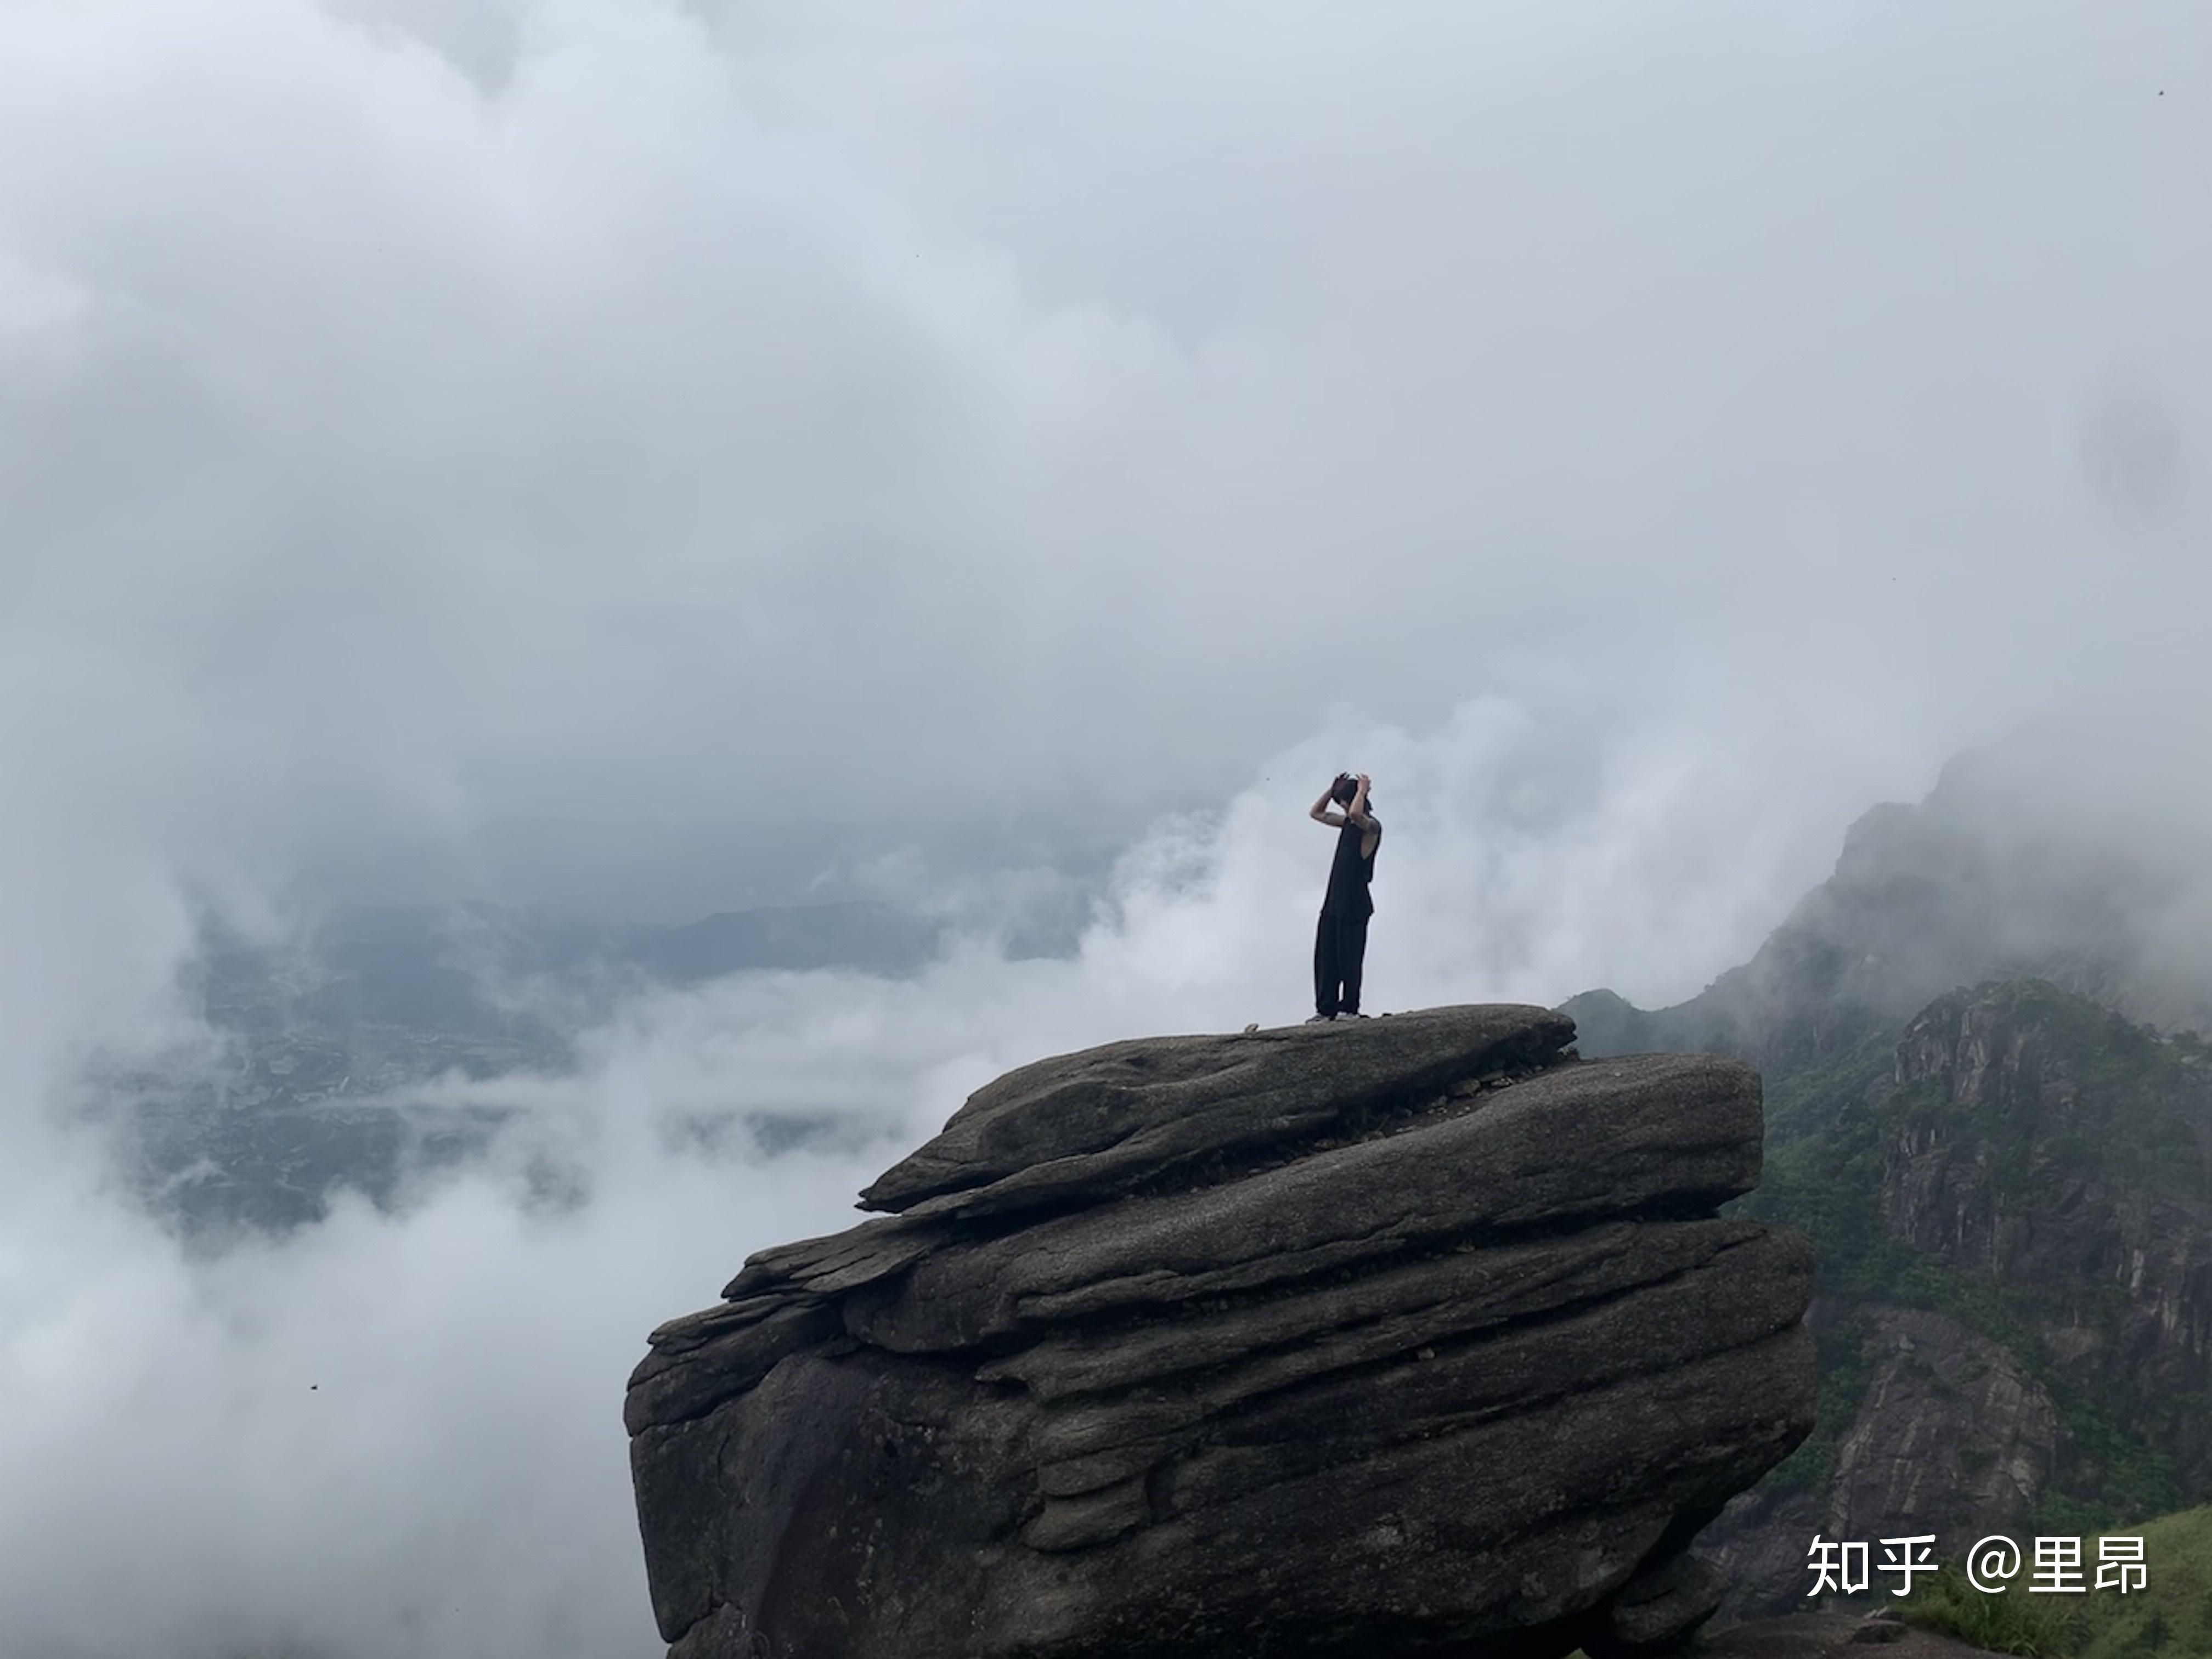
1349,875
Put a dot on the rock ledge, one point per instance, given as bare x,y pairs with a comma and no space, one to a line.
1411,1336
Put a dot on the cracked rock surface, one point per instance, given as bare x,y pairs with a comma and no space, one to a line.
1411,1336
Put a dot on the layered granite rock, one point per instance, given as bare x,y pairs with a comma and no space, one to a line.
1413,1335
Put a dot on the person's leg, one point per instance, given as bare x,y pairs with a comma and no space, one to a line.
1350,957
1325,967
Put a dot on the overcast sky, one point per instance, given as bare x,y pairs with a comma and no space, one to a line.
1640,435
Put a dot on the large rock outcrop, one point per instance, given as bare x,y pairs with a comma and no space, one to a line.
1414,1335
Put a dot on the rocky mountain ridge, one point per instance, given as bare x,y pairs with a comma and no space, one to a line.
2008,1175
1986,878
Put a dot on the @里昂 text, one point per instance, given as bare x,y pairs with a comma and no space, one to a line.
1993,1565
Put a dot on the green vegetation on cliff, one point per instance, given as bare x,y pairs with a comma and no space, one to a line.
2007,1175
2013,1621
2073,1116
2169,1618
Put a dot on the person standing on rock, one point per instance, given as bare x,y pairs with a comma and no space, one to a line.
1341,943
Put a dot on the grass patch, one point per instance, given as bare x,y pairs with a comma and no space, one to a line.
2011,1621
2170,1617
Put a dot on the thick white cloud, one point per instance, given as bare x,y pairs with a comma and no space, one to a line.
555,405
1640,435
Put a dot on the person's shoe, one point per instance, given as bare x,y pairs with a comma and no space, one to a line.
1353,1013
1319,1020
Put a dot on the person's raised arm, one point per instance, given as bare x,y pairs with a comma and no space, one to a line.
1320,814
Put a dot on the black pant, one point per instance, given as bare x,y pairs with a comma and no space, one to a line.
1339,948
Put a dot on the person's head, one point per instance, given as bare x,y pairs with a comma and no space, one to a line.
1344,788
